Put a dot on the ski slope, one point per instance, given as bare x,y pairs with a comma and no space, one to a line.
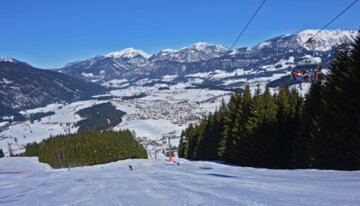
25,181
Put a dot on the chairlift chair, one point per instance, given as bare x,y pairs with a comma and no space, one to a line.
307,66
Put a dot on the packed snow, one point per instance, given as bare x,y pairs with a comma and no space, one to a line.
25,181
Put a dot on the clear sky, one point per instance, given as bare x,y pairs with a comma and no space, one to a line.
50,33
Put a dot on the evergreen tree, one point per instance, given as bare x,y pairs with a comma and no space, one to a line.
192,135
182,142
219,124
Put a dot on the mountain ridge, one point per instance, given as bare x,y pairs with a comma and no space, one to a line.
23,86
206,57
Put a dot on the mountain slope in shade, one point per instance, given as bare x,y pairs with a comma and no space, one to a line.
23,86
107,67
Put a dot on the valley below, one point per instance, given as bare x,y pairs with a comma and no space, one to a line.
155,113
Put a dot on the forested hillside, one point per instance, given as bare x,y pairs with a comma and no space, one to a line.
285,130
99,117
87,148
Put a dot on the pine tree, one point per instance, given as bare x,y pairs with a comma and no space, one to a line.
182,142
192,134
220,124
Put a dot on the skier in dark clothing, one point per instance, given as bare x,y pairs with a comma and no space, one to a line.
130,167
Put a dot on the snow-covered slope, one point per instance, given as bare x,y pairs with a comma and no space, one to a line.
24,181
325,40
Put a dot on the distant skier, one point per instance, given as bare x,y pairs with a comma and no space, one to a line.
130,167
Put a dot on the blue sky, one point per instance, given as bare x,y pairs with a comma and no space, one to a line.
50,33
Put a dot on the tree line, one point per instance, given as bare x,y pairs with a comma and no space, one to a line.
86,148
284,130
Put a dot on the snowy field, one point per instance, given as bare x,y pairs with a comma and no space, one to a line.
25,181
150,128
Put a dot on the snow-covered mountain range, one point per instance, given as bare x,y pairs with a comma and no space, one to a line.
201,65
213,64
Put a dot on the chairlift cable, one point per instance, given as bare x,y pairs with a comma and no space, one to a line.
242,32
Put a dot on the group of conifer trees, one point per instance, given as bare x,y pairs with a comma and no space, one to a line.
284,130
87,148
